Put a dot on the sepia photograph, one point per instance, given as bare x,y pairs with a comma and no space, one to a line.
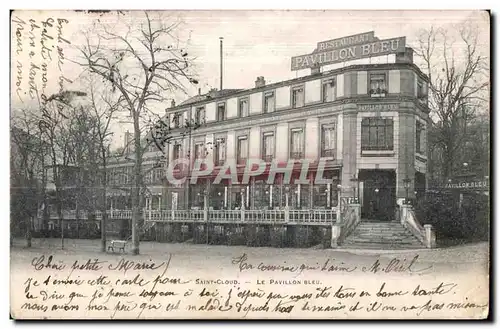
250,164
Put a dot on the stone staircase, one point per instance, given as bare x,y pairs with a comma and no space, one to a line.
381,235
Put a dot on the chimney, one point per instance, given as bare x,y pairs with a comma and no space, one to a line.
199,91
260,82
172,103
316,69
406,57
213,92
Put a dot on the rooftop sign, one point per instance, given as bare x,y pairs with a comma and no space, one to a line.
343,42
353,47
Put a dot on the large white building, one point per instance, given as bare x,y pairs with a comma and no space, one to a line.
368,122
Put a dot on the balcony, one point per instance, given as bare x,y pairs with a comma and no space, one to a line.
219,162
296,155
377,93
267,158
331,153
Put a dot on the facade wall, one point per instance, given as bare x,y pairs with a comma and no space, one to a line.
352,103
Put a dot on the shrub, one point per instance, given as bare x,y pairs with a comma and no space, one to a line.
469,222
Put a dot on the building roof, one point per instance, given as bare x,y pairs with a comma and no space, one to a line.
211,94
215,95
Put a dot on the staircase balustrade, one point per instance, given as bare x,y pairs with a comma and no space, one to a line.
424,234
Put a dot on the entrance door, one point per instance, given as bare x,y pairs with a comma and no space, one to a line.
379,194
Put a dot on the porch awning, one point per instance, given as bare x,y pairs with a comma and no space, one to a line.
155,190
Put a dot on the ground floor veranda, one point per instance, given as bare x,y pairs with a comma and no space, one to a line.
375,190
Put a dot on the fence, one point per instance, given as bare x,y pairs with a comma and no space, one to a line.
250,216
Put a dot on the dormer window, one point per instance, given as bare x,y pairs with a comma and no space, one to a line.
243,107
269,102
200,115
221,111
298,96
328,90
177,120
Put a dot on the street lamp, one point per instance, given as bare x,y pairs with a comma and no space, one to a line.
355,187
243,198
287,190
406,183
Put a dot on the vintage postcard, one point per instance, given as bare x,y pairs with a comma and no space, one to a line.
266,164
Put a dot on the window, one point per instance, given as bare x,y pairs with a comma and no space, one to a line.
128,175
146,173
421,92
243,107
176,151
297,143
377,134
156,175
110,176
269,102
152,147
419,136
199,150
328,90
242,151
328,140
297,97
268,146
221,112
220,151
377,85
177,120
159,174
200,115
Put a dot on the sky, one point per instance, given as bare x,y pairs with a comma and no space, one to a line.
256,43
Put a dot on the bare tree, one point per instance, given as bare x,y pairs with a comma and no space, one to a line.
57,117
28,158
458,88
145,64
104,106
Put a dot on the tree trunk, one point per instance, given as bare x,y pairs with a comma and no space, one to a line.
28,233
448,164
60,213
104,208
77,217
136,196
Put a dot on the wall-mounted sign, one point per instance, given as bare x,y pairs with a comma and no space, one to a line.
377,107
468,185
356,47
